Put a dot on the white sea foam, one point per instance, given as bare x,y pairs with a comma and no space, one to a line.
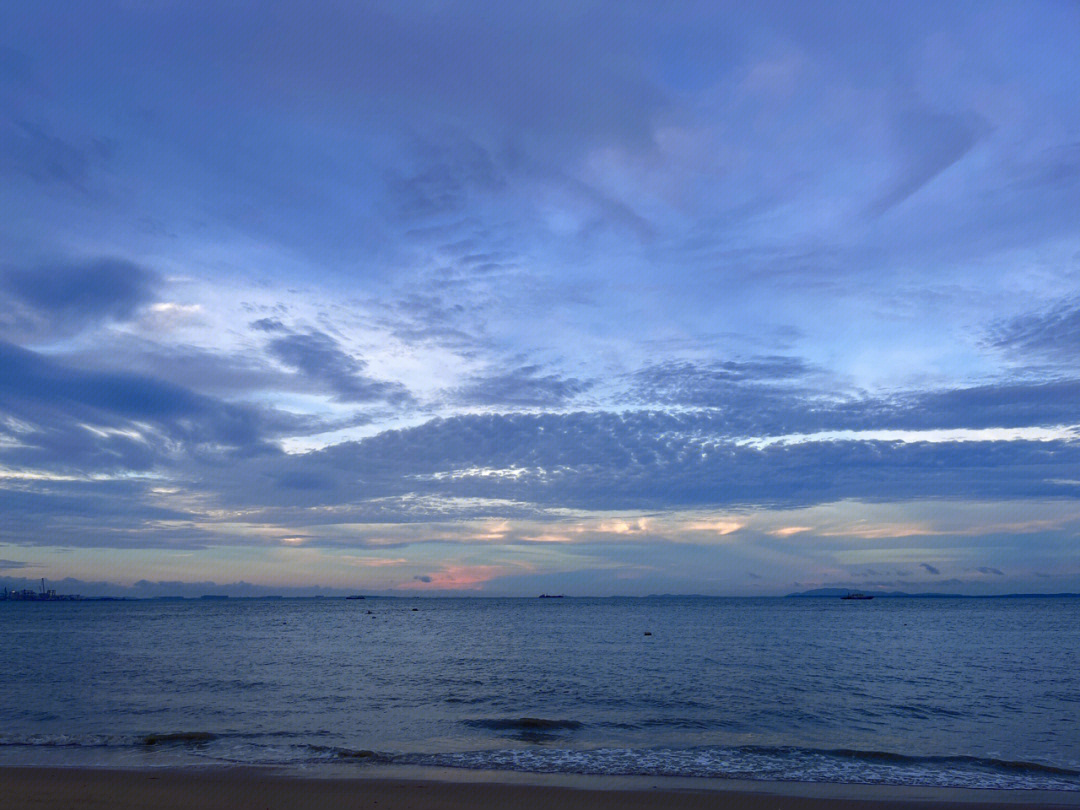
785,764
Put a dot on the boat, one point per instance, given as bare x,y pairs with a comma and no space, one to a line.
857,596
354,597
551,596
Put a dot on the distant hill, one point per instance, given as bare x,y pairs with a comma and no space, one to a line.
837,592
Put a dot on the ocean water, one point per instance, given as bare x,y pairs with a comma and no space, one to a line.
962,692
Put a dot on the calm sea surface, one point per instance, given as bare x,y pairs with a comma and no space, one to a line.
971,692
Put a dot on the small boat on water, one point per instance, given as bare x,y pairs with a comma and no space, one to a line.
857,596
354,597
551,596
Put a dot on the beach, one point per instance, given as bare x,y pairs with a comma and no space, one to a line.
255,789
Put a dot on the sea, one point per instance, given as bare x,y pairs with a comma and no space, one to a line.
976,693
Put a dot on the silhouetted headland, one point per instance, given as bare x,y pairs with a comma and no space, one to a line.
834,592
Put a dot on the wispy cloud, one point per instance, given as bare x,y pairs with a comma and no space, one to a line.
524,386
320,358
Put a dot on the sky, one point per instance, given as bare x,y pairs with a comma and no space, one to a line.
499,298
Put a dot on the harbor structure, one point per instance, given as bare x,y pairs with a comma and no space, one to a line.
30,595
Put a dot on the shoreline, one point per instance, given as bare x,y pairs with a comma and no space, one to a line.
391,787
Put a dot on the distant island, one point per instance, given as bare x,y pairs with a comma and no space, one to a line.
839,592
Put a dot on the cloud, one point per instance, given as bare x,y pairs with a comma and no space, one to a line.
1057,167
525,386
459,577
303,480
64,297
63,416
268,325
1053,335
98,513
647,460
11,565
421,318
42,156
747,390
778,395
1001,404
213,372
319,358
927,143
930,568
92,420
532,70
448,177
689,383
987,570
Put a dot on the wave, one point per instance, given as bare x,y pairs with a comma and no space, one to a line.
179,737
981,762
773,764
128,740
523,724
841,765
64,740
351,754
923,711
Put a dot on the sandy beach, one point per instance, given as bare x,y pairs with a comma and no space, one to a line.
250,789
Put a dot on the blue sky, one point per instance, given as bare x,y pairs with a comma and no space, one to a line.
592,297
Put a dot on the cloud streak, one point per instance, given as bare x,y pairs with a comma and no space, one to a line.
63,297
319,358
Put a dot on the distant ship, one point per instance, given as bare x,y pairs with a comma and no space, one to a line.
354,597
857,596
551,596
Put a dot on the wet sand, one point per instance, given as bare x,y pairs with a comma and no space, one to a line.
251,789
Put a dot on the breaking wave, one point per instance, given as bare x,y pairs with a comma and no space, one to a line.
779,764
714,762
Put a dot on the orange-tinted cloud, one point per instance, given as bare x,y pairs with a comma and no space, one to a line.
455,578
